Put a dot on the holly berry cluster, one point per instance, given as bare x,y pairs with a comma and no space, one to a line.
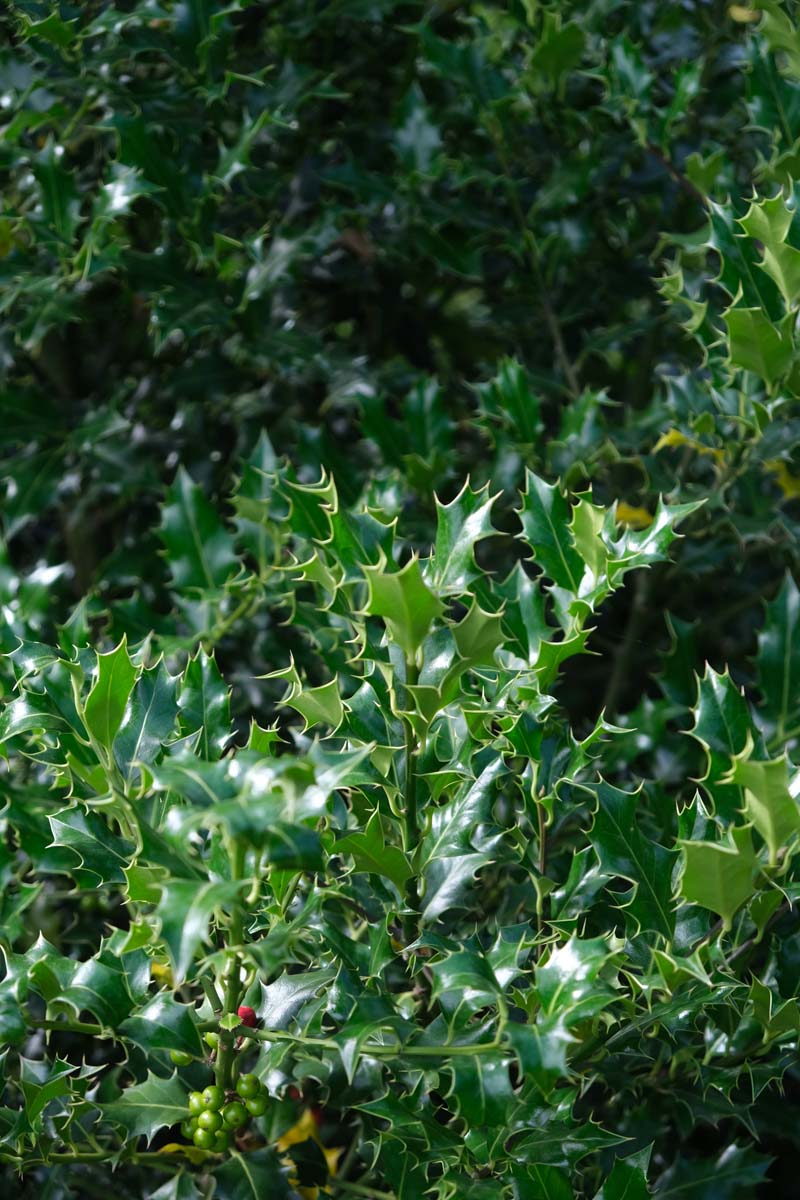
214,1115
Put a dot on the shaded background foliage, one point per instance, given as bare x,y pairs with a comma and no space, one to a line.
410,243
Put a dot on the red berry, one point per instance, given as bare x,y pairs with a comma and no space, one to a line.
247,1015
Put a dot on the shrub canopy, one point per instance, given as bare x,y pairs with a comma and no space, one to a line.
399,426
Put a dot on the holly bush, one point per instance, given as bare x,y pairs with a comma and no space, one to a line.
400,669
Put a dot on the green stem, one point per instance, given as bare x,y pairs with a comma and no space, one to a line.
372,1049
231,982
151,1157
212,994
410,807
243,609
358,1189
541,814
410,796
68,1026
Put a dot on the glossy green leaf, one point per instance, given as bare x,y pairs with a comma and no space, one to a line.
545,519
145,1108
185,911
462,523
200,549
204,705
404,601
148,721
624,851
108,699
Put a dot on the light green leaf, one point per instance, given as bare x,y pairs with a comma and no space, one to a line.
768,222
110,692
768,802
370,852
404,601
719,876
478,635
757,344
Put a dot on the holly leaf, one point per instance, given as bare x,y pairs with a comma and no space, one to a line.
545,517
778,659
148,721
507,399
59,195
756,344
722,725
145,1108
478,635
769,803
204,705
163,1024
571,985
719,876
108,698
627,1181
462,523
404,601
452,849
370,853
282,1000
200,551
252,1176
101,856
185,911
624,851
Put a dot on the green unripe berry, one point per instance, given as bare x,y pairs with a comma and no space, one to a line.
180,1058
248,1086
211,1039
221,1141
234,1114
188,1127
256,1105
213,1098
196,1104
204,1138
210,1120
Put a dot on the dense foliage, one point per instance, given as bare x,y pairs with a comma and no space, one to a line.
400,660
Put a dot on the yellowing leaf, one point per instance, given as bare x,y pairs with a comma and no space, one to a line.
301,1131
193,1153
162,973
632,516
304,1129
674,437
788,483
738,12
